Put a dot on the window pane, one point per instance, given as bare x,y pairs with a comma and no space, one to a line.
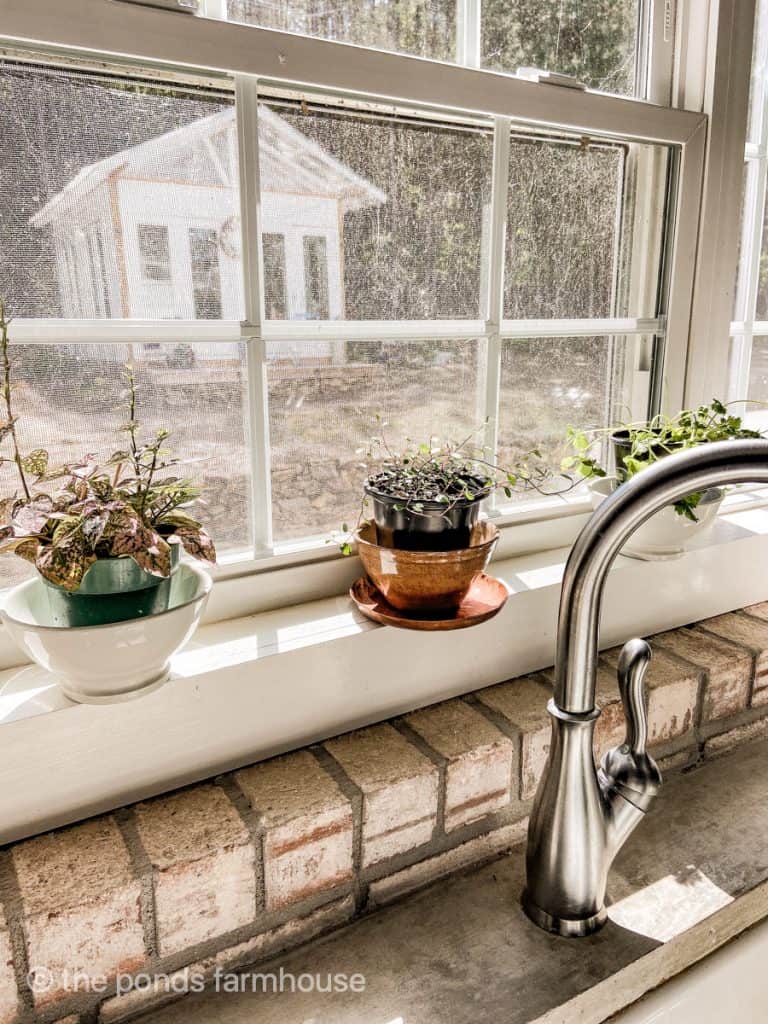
595,40
101,183
550,384
324,399
757,92
155,251
757,390
274,276
761,306
381,219
572,224
316,276
741,277
69,401
206,279
426,28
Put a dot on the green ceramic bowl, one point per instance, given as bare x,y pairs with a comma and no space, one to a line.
112,590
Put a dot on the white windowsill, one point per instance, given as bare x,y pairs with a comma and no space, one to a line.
298,572
232,700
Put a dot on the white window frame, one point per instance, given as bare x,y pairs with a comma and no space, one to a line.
94,29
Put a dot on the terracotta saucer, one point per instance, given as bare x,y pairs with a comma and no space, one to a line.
486,597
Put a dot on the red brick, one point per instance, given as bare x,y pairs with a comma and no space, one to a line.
399,786
479,759
523,704
749,631
203,871
81,906
307,824
728,668
9,996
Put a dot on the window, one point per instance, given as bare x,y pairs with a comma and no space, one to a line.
73,403
155,251
749,331
273,248
323,400
425,28
102,276
284,262
130,160
206,281
400,204
596,41
316,277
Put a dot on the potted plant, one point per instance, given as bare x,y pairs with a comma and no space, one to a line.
427,497
634,447
105,537
426,543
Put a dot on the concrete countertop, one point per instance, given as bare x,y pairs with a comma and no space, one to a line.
693,875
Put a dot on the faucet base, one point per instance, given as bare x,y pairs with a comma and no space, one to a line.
568,927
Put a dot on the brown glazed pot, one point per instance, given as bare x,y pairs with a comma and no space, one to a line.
425,580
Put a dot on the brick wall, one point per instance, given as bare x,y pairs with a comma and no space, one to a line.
227,873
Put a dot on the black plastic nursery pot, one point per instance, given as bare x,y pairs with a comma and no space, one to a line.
112,590
436,527
622,446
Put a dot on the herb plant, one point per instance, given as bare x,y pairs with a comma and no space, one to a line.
652,440
67,517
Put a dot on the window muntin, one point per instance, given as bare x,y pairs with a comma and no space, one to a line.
401,206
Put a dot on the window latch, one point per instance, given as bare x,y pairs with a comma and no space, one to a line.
179,6
550,78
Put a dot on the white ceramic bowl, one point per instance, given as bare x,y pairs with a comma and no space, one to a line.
666,534
113,662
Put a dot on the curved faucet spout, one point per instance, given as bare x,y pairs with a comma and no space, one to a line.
609,528
581,816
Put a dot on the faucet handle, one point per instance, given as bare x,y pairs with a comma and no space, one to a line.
633,664
629,768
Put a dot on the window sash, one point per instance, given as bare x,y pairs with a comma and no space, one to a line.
366,75
181,42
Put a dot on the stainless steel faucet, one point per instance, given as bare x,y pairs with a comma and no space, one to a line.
582,814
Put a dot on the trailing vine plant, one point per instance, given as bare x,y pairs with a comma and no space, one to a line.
652,440
446,473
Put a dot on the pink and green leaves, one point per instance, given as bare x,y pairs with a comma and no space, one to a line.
197,543
68,517
128,535
65,562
